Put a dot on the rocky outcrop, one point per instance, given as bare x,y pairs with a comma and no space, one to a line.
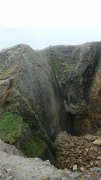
30,100
28,87
13,166
49,91
77,70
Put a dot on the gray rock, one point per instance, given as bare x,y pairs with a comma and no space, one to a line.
15,167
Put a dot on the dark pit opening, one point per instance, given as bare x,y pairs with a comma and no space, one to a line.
70,122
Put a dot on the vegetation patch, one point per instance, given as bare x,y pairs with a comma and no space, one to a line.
56,68
4,73
68,67
10,126
35,146
61,68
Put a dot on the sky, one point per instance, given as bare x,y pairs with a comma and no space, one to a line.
41,23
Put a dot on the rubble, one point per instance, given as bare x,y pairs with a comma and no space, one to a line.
77,153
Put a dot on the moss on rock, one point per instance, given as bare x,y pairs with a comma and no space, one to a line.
10,126
35,146
4,73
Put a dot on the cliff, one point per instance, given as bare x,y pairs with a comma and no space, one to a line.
45,92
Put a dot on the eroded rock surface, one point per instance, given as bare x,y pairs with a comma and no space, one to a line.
78,71
28,89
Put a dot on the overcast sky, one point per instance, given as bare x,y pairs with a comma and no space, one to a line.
41,23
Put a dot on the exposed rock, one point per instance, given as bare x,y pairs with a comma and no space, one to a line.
15,167
28,88
4,175
77,70
75,167
10,149
89,137
97,142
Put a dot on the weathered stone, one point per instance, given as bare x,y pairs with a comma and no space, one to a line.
82,168
87,149
74,167
89,137
97,142
91,163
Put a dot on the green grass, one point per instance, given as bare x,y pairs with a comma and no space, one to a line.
68,67
10,127
6,72
56,68
60,69
35,146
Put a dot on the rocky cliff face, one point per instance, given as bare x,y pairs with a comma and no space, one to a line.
45,92
77,70
29,99
27,86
